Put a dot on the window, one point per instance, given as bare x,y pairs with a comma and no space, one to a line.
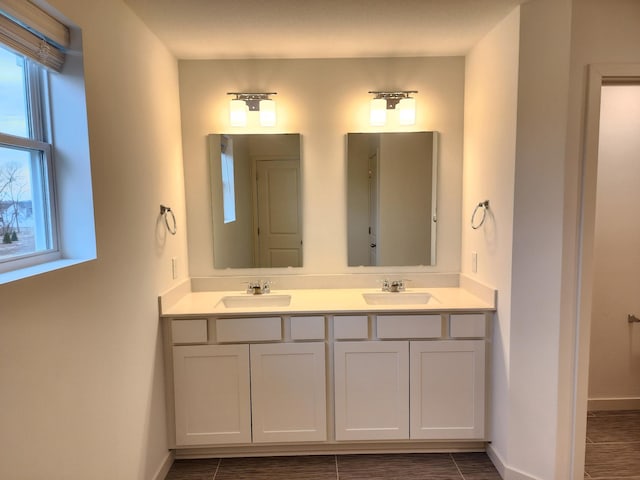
27,213
228,181
46,213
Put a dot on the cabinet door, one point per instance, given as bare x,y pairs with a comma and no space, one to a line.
372,390
288,389
447,389
212,395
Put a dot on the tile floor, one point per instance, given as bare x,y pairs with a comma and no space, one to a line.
415,466
613,445
613,453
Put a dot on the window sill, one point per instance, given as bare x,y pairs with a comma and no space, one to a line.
19,274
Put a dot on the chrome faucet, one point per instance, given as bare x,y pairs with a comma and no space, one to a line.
393,285
259,287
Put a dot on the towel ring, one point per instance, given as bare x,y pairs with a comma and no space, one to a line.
484,206
165,211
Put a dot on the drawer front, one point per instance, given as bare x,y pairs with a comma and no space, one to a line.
189,331
307,328
468,325
409,326
259,329
351,327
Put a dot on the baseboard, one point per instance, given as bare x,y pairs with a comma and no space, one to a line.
259,450
164,467
507,473
594,404
497,461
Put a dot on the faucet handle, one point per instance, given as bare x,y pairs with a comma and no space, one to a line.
393,285
259,287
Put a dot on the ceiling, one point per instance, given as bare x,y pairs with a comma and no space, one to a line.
241,29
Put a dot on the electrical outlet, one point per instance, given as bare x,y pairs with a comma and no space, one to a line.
474,262
174,267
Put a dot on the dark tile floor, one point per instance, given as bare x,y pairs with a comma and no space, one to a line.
431,466
613,445
612,453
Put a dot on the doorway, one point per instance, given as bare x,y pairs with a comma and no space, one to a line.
614,352
605,227
278,215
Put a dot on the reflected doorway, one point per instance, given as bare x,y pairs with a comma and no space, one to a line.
278,216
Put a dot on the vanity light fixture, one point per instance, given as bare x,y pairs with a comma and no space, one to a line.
401,100
245,102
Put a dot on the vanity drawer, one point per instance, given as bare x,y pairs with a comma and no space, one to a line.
256,329
189,331
409,326
350,327
307,328
467,325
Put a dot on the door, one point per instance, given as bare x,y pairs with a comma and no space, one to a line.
447,389
279,213
288,387
212,394
372,390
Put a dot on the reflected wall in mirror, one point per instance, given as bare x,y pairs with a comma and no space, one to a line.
256,200
391,198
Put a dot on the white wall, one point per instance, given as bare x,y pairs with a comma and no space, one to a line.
405,176
614,367
535,381
323,100
489,161
81,370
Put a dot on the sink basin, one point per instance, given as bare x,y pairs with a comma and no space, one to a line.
399,298
238,301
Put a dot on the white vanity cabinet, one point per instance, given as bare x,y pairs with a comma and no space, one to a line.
288,396
248,393
447,389
371,381
266,384
212,394
414,389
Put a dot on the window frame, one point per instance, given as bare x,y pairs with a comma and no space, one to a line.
39,131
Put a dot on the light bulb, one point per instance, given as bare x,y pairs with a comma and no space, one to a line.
407,111
238,110
378,112
267,113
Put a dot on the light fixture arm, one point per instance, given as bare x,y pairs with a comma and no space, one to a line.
393,97
252,99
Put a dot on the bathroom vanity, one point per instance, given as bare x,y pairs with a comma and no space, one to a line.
327,370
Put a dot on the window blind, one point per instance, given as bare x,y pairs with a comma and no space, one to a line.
32,32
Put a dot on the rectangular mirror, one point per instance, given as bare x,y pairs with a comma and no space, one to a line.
391,198
256,200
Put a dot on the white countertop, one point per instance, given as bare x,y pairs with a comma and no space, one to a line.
323,301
